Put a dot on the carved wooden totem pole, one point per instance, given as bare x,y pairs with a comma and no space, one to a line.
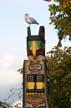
35,72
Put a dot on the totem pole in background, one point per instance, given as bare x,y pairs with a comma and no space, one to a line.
35,72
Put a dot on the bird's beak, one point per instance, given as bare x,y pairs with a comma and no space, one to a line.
34,48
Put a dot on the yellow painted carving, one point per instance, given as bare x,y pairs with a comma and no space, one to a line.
39,85
34,48
30,85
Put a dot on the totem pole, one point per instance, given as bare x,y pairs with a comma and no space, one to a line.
35,72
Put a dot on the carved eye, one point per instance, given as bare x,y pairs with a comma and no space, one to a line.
37,66
31,67
39,78
30,78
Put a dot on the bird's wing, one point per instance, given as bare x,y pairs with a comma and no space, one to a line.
33,21
27,19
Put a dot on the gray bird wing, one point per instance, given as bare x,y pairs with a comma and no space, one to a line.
33,21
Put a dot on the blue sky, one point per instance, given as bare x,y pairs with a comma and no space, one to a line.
13,33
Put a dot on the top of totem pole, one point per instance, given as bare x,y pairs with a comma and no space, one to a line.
41,32
36,43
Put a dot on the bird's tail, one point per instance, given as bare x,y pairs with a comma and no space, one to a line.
37,23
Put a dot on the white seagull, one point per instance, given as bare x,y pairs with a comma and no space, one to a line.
30,20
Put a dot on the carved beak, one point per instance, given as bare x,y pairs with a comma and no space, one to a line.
34,48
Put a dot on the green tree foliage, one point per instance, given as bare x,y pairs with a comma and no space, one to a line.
5,105
60,16
60,77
